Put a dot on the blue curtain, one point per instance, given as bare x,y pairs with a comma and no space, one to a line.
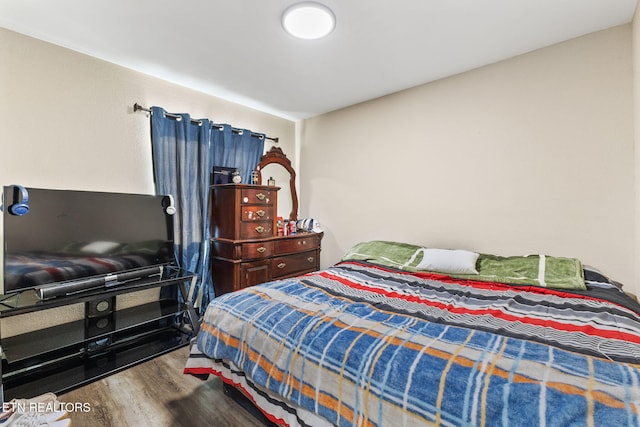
181,163
236,148
184,153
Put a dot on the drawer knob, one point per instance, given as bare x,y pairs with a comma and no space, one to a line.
261,249
260,229
260,196
261,213
310,259
302,242
281,265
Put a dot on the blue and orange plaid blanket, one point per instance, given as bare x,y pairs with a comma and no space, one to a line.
364,345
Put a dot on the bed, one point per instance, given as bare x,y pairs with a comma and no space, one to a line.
401,335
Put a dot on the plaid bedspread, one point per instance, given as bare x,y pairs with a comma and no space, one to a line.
360,344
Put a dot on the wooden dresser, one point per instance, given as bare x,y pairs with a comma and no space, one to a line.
245,249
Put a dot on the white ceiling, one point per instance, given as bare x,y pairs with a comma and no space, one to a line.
237,50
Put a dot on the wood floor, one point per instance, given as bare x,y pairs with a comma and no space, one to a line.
156,394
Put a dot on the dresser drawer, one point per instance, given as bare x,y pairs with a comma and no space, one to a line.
288,265
304,242
256,230
254,273
257,196
257,250
257,213
230,276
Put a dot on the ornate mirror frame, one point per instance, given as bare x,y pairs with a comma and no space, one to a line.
275,155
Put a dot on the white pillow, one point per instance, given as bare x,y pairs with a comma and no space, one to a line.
454,261
100,247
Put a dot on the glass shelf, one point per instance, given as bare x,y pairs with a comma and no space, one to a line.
39,343
27,301
77,371
62,357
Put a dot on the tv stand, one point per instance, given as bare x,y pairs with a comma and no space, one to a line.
62,357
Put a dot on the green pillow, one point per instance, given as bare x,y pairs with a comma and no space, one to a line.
537,270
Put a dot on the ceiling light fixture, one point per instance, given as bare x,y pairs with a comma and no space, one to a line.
308,20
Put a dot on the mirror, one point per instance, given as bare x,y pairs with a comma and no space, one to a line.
275,160
281,177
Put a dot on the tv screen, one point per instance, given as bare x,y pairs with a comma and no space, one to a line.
82,237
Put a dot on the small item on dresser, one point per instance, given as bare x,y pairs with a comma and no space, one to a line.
280,226
254,177
305,224
235,177
293,227
271,182
286,227
309,225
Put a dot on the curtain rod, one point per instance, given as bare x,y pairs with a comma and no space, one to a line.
137,107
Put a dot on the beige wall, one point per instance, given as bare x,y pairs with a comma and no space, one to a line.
531,155
67,120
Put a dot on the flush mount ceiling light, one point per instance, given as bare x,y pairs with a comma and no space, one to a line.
308,20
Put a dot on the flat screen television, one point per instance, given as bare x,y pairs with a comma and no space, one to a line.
76,240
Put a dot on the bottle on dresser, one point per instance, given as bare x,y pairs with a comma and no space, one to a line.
280,226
